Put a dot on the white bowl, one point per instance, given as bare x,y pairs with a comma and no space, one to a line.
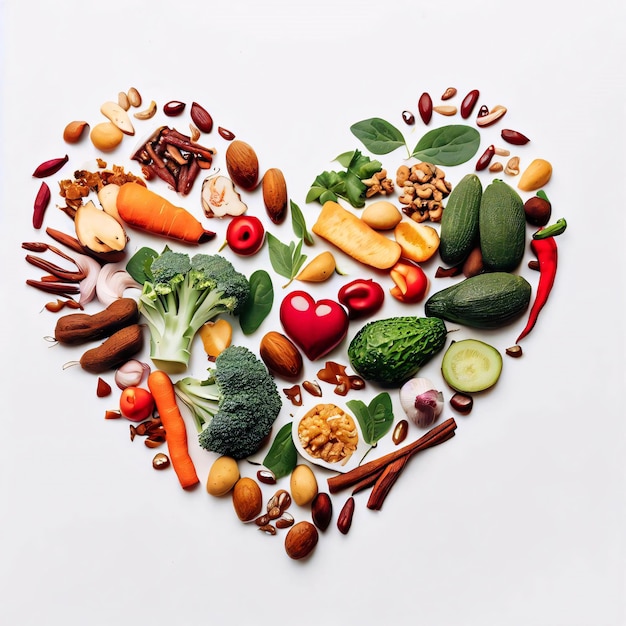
350,460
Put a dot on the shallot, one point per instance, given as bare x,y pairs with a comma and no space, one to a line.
131,374
421,402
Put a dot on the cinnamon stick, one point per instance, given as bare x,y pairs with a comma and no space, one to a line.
433,437
385,482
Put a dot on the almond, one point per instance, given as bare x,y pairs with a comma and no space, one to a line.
247,499
201,118
280,355
301,540
242,164
275,194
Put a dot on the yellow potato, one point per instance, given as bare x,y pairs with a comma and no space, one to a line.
303,485
223,475
381,215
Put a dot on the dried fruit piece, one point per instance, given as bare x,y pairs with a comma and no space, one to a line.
41,204
52,166
103,388
74,131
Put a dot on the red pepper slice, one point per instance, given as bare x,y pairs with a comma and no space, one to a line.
547,255
362,297
411,282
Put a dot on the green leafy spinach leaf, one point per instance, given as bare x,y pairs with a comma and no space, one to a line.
259,304
374,419
282,456
448,145
378,135
286,259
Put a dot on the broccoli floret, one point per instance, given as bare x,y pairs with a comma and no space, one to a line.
181,295
235,407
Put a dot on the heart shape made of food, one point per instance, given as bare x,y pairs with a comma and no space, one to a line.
316,327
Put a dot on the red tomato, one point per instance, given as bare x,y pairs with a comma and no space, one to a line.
136,404
245,235
411,282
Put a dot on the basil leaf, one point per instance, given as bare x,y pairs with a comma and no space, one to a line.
374,419
259,303
448,145
378,135
282,456
138,265
298,224
285,259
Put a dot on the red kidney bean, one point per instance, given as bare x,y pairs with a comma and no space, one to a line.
425,107
514,137
485,158
469,102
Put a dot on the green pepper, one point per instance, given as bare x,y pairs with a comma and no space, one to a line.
551,231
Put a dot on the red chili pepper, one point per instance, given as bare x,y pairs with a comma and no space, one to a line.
411,282
547,255
362,297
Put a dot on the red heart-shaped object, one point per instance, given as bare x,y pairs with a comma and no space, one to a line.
316,327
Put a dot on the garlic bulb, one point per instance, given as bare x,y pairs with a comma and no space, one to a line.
421,402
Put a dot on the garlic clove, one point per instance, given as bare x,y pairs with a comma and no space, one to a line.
131,374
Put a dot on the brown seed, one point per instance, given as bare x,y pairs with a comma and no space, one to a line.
450,92
173,108
514,351
400,432
286,520
462,403
160,461
201,118
322,510
344,521
301,540
514,137
266,477
408,118
225,133
268,529
313,388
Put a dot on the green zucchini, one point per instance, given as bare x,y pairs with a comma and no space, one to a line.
489,300
502,227
459,221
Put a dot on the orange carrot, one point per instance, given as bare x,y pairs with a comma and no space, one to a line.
148,211
162,390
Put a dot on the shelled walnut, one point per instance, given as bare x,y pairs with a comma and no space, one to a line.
423,189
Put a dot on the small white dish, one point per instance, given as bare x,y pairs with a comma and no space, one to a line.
332,427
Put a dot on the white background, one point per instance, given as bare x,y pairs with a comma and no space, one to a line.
519,520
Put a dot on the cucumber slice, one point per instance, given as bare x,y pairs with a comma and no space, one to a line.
470,365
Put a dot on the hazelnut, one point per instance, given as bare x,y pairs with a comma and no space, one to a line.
247,499
301,540
537,210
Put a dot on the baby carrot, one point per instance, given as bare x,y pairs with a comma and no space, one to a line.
148,211
162,389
